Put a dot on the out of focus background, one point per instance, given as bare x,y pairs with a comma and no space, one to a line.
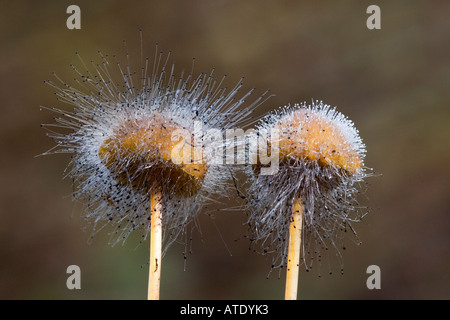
393,83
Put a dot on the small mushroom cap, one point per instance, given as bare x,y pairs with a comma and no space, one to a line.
307,135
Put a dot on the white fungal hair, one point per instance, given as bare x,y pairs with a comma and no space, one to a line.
328,193
102,103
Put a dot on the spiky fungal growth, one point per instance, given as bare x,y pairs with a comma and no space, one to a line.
127,135
321,162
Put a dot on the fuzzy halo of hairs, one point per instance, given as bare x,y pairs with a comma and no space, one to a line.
108,98
321,162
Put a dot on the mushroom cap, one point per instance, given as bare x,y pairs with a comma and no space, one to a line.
148,154
306,134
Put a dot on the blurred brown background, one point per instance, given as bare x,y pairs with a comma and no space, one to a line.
393,83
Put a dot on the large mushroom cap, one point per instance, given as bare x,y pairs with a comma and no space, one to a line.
148,153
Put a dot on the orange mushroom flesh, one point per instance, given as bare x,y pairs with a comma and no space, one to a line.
146,154
308,135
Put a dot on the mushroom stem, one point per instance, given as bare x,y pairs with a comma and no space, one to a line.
293,261
154,276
